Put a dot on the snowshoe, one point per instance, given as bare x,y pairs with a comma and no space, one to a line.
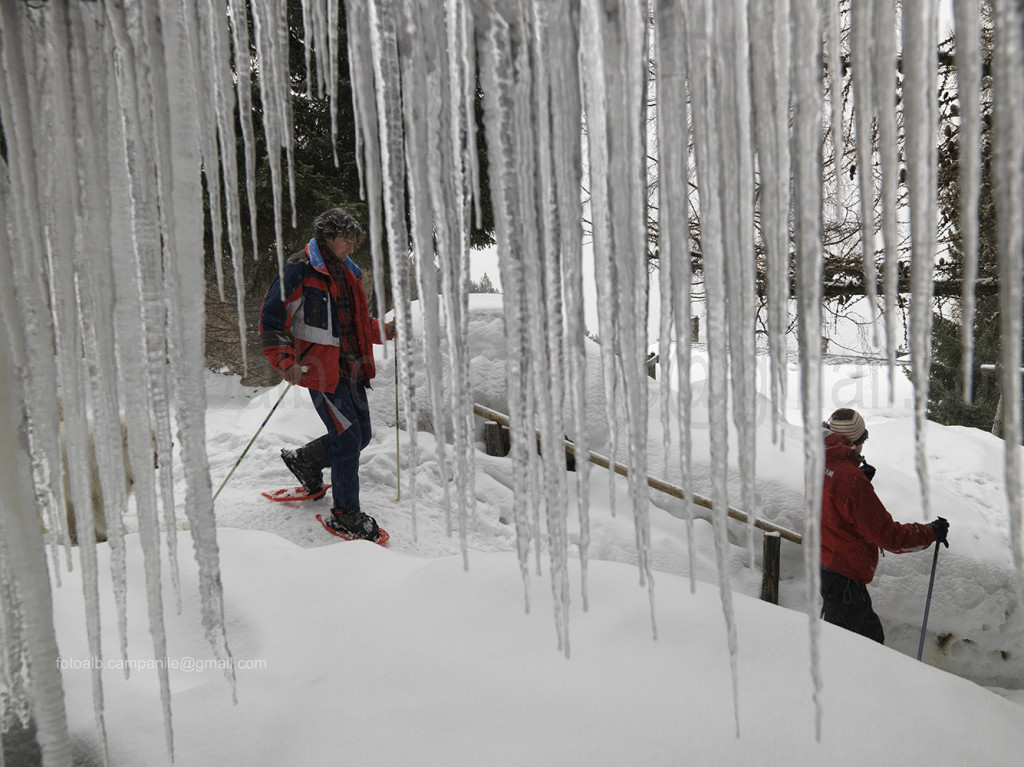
287,494
312,479
381,540
353,523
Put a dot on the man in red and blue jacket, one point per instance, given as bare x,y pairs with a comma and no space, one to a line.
320,336
855,525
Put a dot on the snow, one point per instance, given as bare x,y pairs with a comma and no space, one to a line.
399,655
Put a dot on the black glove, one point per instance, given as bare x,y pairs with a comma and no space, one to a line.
868,469
941,527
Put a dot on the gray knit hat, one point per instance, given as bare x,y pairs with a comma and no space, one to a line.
849,424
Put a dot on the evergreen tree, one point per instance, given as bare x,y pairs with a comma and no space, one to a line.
946,404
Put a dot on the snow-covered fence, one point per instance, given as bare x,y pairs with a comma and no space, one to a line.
770,565
654,483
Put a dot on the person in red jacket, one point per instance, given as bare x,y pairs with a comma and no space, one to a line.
320,336
855,525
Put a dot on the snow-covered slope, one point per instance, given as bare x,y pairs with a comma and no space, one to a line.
398,655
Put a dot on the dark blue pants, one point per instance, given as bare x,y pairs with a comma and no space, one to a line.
346,415
848,604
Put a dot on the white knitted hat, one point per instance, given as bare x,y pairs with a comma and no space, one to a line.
849,423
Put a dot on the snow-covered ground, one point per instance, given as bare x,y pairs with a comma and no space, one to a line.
350,653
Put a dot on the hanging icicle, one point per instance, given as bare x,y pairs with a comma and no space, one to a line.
921,119
807,215
968,81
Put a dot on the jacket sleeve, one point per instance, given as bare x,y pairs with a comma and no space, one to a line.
275,319
877,525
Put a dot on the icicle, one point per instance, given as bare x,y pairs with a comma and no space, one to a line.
863,99
770,55
968,80
24,558
183,273
737,209
921,128
567,157
418,103
884,78
243,85
595,104
70,281
275,116
807,170
215,48
206,96
454,257
496,66
712,184
376,18
670,93
545,295
834,62
39,368
1008,164
674,230
445,120
674,225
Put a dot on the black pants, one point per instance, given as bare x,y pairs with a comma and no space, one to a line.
847,604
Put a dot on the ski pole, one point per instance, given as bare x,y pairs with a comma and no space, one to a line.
254,436
398,461
928,601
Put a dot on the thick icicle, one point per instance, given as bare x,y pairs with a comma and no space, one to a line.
733,91
834,64
547,352
674,230
243,85
183,274
494,41
418,102
921,119
884,78
595,105
24,562
807,172
275,98
711,183
770,74
1008,163
567,156
863,99
968,81
626,51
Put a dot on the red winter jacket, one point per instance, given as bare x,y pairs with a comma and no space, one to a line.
854,523
304,327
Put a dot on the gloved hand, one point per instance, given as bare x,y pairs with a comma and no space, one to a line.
941,527
868,469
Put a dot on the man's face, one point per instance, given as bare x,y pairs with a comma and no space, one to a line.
341,246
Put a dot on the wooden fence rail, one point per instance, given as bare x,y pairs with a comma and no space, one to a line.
656,484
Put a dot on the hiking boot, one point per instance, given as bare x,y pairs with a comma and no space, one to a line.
312,479
355,523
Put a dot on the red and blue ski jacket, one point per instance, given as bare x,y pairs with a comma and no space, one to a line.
854,523
304,326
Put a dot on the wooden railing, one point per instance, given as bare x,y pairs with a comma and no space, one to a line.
770,566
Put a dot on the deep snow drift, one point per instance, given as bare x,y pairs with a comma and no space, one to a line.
398,654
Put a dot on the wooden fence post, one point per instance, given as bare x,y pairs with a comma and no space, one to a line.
496,438
770,568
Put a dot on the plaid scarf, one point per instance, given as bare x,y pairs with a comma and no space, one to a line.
349,355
